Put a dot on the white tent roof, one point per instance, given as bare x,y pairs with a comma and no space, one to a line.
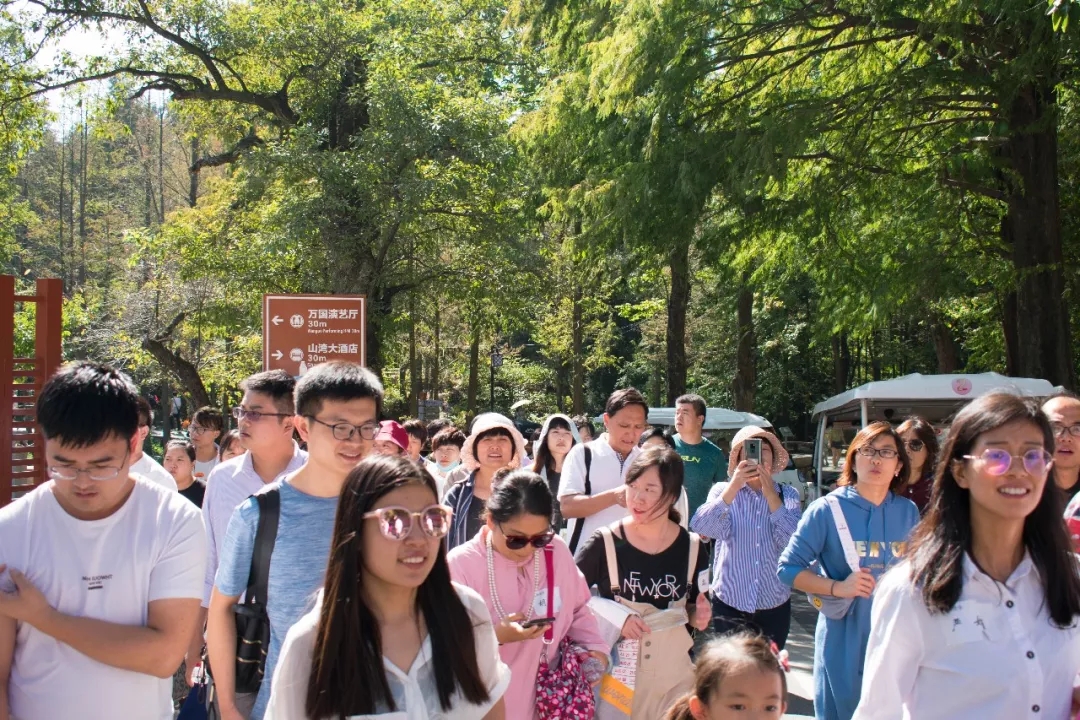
917,389
715,418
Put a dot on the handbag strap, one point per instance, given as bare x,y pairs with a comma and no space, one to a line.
612,560
579,523
850,554
695,547
549,564
265,537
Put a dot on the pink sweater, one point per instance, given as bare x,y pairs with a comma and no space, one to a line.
514,582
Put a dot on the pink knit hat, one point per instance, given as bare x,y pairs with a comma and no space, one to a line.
780,455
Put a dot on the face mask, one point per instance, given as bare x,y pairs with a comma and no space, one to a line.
447,468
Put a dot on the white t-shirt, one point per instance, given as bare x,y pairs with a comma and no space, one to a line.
152,548
605,473
996,654
202,469
152,470
414,692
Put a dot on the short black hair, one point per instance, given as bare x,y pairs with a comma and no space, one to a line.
416,429
448,436
437,425
209,418
518,492
338,380
497,431
278,384
656,432
84,403
625,398
184,445
146,413
696,400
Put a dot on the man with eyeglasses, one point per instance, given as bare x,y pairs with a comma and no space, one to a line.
206,427
100,569
337,410
143,464
1064,413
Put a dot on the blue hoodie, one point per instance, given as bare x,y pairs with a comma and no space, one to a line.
880,533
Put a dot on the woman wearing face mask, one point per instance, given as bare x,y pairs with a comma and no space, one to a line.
445,456
920,441
878,522
515,562
980,620
493,444
650,565
558,435
390,636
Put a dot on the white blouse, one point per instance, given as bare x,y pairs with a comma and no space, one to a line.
995,655
414,692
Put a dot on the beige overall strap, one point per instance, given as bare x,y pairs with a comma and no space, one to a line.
695,545
612,561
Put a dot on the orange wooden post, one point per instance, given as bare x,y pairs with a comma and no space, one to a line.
7,382
50,326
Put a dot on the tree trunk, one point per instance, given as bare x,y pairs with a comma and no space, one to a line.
414,365
1009,323
1043,342
678,301
743,386
474,369
577,391
181,369
83,156
436,331
193,177
841,362
944,346
60,216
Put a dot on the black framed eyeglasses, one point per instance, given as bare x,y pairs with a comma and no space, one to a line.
254,415
346,431
884,453
1061,430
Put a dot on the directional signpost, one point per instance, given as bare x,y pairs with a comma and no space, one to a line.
304,330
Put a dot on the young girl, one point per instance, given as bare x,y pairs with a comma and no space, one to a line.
390,635
179,461
557,437
878,523
650,565
980,620
507,564
736,677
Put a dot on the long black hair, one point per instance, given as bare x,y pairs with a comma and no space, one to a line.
943,537
542,457
923,431
347,672
669,466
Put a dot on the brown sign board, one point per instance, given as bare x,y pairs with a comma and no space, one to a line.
304,330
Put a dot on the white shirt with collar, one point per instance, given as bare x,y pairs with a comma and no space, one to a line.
997,654
606,472
229,484
152,470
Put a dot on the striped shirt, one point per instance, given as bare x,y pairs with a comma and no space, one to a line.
749,540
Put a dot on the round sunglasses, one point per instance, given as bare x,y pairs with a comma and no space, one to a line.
396,523
997,461
915,445
517,542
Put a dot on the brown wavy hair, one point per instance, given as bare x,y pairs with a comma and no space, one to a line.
867,436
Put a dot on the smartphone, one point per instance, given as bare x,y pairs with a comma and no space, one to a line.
752,450
536,622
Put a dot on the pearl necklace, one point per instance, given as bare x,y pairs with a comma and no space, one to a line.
491,582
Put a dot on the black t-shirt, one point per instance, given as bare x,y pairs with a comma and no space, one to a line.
195,492
656,579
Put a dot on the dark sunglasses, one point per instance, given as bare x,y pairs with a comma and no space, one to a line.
915,445
517,542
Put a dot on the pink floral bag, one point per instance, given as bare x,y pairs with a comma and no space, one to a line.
562,693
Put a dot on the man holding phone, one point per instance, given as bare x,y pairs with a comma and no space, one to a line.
751,517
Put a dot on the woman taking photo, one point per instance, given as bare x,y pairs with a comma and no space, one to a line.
920,441
650,565
877,523
493,444
390,636
980,620
558,435
515,562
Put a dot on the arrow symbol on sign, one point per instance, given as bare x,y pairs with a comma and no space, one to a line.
277,320
277,355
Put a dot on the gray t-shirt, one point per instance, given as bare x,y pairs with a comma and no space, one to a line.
297,567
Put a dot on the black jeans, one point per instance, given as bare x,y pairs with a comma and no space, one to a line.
774,623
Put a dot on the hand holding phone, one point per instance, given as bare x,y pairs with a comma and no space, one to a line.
752,450
537,622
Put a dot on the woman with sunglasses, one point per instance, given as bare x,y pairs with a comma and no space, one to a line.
652,566
390,636
507,563
878,523
921,443
980,620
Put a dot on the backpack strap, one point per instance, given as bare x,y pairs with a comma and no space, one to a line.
695,547
579,523
612,561
850,554
265,537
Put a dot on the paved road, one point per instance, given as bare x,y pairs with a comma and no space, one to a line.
800,647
